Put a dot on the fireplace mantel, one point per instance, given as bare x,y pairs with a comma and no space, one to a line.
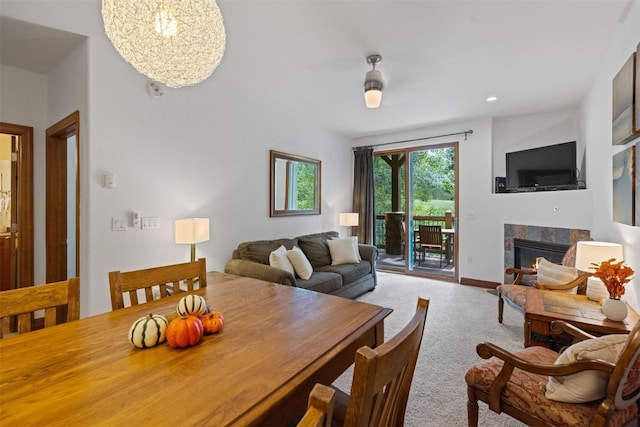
564,236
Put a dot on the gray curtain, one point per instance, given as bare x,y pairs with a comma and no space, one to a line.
363,194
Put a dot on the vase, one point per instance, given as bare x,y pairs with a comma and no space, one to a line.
614,309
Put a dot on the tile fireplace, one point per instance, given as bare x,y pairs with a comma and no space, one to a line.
524,243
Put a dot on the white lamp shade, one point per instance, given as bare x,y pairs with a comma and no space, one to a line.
192,230
349,219
588,252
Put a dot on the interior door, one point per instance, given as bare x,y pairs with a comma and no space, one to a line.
17,233
62,220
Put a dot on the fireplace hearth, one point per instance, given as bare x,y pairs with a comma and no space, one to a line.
535,241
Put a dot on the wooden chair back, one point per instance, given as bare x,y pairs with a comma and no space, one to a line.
320,408
430,236
59,300
382,376
157,282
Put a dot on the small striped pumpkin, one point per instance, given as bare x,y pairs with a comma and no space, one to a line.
148,331
192,304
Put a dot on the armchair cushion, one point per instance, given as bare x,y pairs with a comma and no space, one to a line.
516,294
555,274
587,385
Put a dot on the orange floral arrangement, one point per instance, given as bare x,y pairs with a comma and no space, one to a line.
614,275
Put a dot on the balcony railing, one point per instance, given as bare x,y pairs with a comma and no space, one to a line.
382,221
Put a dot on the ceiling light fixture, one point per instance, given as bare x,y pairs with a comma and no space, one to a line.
172,42
492,98
373,83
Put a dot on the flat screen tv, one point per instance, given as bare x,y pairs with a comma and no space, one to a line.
552,167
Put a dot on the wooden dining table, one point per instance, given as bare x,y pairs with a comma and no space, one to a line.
277,342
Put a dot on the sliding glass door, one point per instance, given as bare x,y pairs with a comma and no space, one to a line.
416,210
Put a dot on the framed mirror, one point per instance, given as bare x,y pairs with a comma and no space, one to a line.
295,185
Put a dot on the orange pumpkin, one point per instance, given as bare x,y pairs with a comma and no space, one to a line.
212,322
184,331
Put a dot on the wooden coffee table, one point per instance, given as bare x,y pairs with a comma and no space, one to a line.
543,307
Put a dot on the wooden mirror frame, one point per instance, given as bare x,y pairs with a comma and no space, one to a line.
281,185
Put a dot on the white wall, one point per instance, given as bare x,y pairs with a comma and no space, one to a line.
179,156
595,119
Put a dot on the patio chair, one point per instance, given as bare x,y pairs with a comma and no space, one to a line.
431,241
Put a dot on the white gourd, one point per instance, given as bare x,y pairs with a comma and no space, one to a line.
148,331
192,304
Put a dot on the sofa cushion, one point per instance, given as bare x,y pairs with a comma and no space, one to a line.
279,259
259,250
349,272
316,248
321,281
344,251
300,263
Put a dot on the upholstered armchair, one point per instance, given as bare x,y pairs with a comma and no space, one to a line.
561,277
595,382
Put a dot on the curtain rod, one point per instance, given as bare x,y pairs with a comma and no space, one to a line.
465,133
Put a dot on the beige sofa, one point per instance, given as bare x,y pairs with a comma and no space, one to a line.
251,259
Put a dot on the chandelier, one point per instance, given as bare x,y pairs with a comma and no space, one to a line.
175,42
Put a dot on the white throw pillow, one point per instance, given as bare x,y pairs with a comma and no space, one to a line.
279,259
301,264
556,274
344,251
587,385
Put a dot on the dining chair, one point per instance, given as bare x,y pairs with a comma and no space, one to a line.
431,241
595,382
59,300
156,282
382,378
320,408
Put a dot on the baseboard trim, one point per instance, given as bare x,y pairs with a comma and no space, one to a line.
478,283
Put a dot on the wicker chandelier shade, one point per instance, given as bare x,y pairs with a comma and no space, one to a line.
175,42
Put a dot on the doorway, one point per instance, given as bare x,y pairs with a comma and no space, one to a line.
16,210
63,199
417,187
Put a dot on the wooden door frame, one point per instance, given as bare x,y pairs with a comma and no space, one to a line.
24,201
56,209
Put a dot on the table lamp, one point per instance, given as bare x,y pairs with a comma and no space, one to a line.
349,219
588,252
192,231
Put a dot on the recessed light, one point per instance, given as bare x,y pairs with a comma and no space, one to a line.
492,98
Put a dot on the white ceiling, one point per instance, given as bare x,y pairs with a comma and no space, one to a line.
440,59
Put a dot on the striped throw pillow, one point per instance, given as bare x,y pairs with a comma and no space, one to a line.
555,274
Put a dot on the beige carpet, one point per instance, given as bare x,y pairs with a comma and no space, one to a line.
459,317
